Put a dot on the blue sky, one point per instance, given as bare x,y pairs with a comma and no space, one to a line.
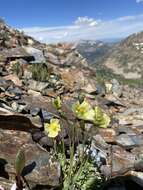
70,20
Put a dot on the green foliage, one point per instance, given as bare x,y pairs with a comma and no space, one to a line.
88,180
57,103
103,74
19,162
79,172
101,119
17,69
40,72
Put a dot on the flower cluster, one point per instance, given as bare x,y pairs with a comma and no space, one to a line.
85,112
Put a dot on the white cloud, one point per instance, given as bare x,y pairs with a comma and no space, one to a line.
88,28
85,21
127,18
139,1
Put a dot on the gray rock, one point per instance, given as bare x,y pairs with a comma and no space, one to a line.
15,90
37,86
34,111
4,84
18,107
47,115
129,141
16,53
100,90
116,87
46,141
52,58
36,53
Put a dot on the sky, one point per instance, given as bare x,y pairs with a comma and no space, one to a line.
71,20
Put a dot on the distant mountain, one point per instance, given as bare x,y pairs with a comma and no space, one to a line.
94,51
126,58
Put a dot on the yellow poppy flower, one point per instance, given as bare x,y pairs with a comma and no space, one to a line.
83,111
101,119
52,128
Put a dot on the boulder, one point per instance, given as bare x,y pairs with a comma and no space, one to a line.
16,53
36,53
39,170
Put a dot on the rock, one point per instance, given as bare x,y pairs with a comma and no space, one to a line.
52,58
114,101
130,120
45,141
36,53
121,161
89,88
36,121
18,107
34,111
37,135
133,110
46,115
109,135
16,53
15,90
98,141
100,90
138,151
130,130
4,84
14,79
137,177
22,62
50,92
129,141
116,88
108,87
73,83
33,93
37,86
12,121
71,59
39,169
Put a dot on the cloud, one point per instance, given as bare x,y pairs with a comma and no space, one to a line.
126,18
85,21
139,1
88,28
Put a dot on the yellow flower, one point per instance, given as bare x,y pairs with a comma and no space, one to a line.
83,111
101,119
57,103
52,128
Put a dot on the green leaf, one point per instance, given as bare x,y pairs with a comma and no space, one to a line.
101,119
19,162
57,103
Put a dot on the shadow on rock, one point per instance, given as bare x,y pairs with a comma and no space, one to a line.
3,173
28,169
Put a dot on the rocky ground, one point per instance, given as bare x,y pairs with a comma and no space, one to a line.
31,76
